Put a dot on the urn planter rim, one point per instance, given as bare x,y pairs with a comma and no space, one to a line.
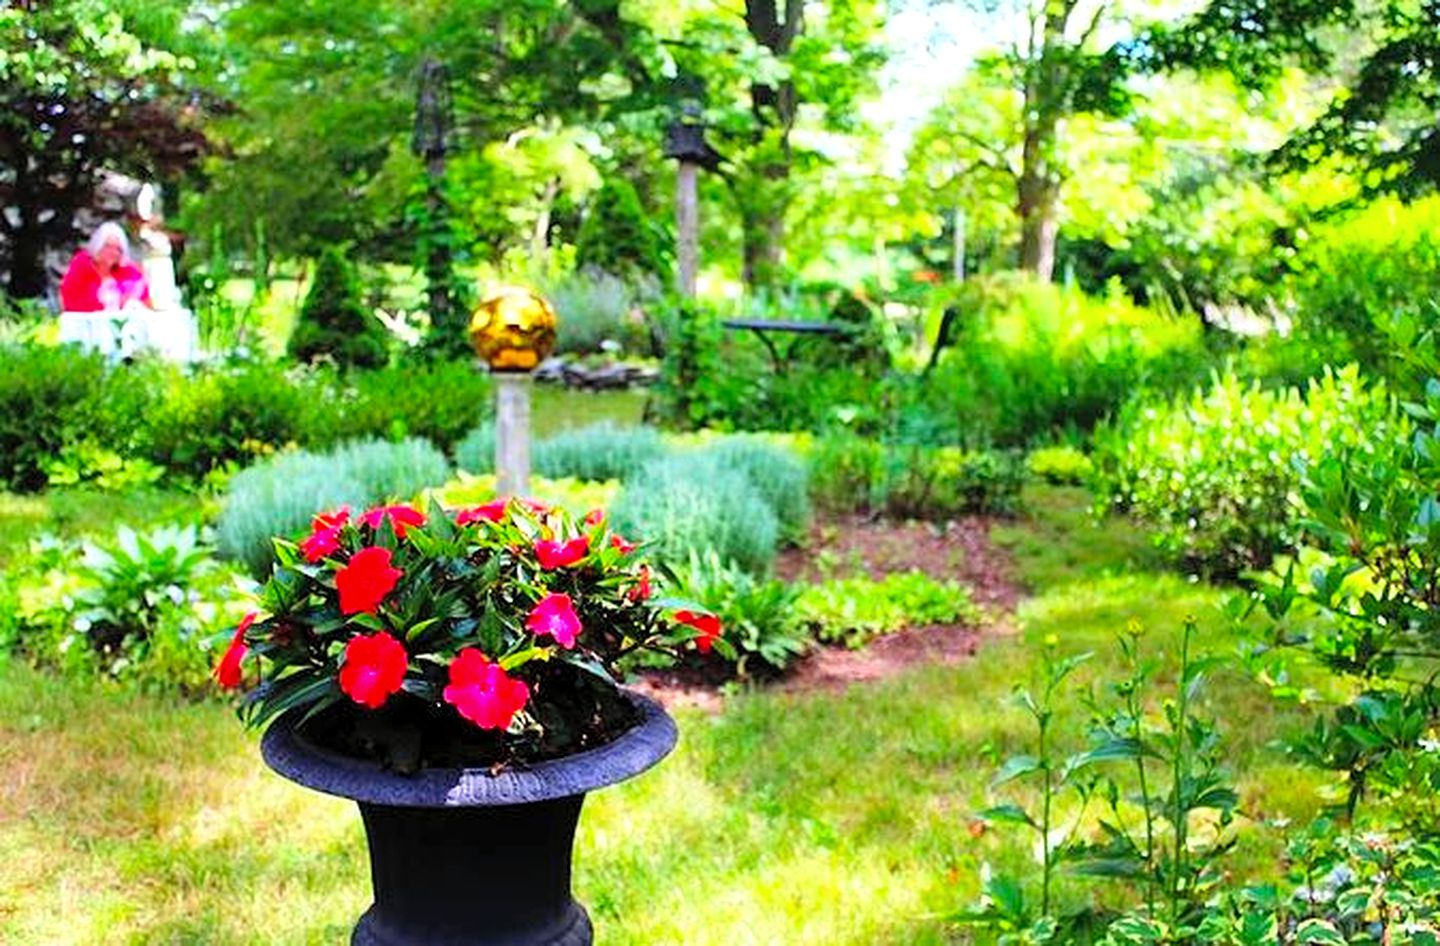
637,749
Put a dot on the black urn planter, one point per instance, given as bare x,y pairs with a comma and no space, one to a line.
460,857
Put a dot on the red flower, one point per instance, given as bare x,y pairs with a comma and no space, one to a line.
641,590
324,535
365,582
536,507
707,625
625,547
227,672
489,512
553,554
594,517
555,615
402,517
481,691
374,668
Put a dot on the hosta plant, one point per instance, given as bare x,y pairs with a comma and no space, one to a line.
484,636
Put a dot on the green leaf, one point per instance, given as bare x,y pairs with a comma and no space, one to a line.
1015,767
1317,932
1009,813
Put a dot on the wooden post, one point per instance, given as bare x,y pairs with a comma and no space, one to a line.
959,244
512,434
687,224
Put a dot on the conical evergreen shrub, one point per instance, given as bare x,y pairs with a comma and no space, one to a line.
333,321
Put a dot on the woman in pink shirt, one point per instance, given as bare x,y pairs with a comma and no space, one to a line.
101,276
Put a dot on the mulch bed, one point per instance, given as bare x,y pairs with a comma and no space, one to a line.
960,550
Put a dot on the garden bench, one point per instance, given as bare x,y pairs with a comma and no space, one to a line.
802,330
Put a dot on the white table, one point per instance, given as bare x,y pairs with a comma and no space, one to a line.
170,333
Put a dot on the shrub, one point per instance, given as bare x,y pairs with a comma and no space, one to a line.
436,400
775,473
1359,275
1213,472
392,469
909,480
333,323
617,235
602,451
854,611
1059,465
41,390
595,307
279,497
140,606
758,614
475,452
689,503
230,415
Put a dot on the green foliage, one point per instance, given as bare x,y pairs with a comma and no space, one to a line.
41,390
759,614
854,611
1152,775
595,307
391,469
475,452
1362,276
690,503
775,473
1213,472
437,400
695,385
912,481
600,451
1367,611
1060,466
1033,361
279,497
617,236
231,415
137,606
334,324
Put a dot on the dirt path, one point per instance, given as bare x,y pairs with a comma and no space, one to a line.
959,550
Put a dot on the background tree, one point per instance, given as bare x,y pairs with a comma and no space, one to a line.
85,86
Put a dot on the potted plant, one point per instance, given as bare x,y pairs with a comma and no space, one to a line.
456,674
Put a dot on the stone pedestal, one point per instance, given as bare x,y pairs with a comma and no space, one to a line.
512,434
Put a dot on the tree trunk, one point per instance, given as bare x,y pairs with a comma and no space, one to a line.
762,211
27,263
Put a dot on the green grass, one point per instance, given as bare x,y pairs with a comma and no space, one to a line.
833,818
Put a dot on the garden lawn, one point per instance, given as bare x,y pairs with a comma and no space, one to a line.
796,819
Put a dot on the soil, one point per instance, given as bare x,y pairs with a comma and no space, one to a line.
842,546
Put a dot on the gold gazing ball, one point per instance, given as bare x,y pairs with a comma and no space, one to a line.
513,329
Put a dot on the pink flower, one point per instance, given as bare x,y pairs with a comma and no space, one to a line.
625,547
554,554
536,507
555,615
374,668
402,517
365,582
482,692
488,512
707,626
594,517
324,535
227,672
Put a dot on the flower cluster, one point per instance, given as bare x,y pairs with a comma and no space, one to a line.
477,610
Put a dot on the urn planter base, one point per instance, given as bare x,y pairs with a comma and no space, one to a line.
461,857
